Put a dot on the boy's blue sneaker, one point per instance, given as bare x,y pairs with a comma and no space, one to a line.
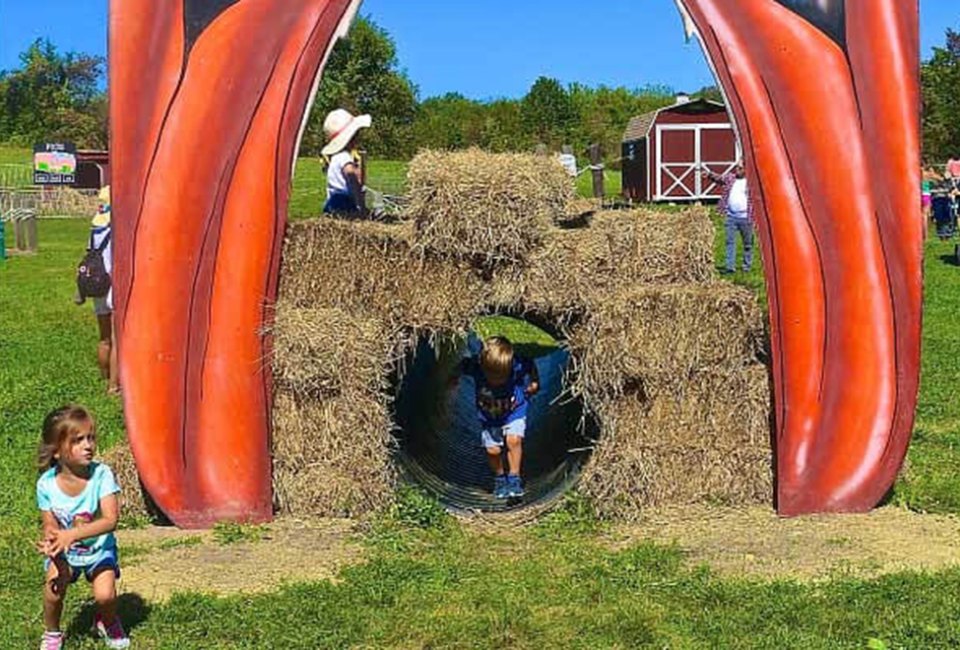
500,487
514,486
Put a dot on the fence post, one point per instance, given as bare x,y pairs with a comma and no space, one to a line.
596,163
30,226
19,235
3,242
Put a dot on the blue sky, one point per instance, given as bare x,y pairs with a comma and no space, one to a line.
481,48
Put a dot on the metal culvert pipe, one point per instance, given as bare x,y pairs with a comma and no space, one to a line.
439,431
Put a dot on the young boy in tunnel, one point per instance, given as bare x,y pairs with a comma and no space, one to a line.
504,383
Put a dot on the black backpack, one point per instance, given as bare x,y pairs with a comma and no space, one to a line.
93,281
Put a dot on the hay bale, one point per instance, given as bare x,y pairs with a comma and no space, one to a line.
658,338
331,458
135,503
487,208
327,352
619,249
709,444
371,271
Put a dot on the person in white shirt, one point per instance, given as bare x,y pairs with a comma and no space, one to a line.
736,206
100,234
344,177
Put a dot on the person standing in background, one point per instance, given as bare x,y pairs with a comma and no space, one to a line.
952,172
736,207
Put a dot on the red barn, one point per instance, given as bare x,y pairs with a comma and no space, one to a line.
663,151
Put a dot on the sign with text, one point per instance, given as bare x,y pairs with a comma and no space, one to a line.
54,163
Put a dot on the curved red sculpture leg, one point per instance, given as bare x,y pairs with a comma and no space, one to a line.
834,114
206,120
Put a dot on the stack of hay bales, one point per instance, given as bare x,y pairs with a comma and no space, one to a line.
664,355
329,373
684,405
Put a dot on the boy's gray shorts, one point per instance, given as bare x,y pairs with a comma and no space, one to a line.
496,436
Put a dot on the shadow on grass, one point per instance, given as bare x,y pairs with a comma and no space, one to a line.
131,608
950,260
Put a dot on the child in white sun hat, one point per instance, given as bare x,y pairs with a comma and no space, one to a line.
344,178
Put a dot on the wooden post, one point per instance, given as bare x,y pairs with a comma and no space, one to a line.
30,228
596,162
362,154
19,233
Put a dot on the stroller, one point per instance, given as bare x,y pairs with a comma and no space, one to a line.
944,214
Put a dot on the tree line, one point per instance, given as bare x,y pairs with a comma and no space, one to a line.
57,96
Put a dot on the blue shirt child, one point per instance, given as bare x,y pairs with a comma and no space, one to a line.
81,509
500,405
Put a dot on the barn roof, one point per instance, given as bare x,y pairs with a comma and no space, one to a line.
639,126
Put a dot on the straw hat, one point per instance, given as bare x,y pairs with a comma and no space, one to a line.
103,214
340,127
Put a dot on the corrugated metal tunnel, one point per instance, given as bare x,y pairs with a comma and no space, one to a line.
439,431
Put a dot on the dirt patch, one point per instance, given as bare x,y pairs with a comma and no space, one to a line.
158,562
748,542
755,542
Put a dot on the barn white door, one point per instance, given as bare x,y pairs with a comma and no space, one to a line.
680,157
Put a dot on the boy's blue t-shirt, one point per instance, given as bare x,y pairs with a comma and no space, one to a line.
500,405
81,509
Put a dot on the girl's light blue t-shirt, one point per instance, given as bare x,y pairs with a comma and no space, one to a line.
83,508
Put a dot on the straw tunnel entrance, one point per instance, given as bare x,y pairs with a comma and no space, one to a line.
439,431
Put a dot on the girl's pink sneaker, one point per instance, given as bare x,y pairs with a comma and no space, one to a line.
51,641
113,635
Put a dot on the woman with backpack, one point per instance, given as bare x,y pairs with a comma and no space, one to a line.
93,280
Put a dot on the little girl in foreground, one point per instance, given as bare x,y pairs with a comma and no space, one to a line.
78,503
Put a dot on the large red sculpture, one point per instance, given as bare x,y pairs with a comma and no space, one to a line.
208,99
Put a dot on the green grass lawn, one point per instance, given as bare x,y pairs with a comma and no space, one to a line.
430,583
16,167
309,181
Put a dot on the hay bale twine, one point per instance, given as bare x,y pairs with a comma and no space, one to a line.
487,208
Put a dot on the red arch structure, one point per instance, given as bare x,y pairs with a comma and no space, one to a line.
208,100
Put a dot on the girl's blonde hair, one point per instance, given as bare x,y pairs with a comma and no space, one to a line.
59,425
496,358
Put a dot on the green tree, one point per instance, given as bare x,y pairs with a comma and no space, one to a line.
53,96
449,122
549,115
940,80
603,113
362,76
711,93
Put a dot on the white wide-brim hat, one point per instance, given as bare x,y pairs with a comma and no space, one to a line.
102,217
340,127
